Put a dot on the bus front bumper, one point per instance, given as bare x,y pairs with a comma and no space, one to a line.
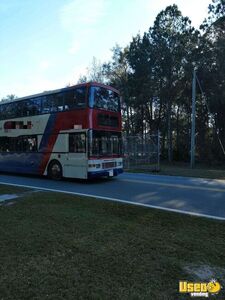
104,173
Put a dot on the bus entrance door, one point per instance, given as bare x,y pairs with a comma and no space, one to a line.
76,165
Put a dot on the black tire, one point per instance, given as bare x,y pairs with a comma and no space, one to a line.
55,170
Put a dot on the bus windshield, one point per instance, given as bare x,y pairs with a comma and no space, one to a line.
103,98
105,143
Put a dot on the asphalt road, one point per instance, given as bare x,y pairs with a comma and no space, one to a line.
186,195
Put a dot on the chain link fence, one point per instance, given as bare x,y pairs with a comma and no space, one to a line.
141,152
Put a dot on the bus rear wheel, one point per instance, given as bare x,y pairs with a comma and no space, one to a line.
55,170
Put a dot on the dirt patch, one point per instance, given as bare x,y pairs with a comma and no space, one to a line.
10,199
7,197
206,273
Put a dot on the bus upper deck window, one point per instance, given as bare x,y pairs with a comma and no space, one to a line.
75,98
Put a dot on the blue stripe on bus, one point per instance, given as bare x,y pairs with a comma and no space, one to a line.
102,173
47,133
20,162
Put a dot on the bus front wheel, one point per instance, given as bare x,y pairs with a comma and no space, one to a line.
55,170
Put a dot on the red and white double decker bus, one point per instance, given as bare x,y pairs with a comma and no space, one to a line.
71,132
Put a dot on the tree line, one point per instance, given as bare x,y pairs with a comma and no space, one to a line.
154,75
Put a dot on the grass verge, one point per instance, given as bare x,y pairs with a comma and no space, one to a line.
199,171
182,169
56,246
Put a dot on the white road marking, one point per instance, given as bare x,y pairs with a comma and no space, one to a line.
120,201
181,186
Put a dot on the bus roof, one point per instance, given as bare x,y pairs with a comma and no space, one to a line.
91,83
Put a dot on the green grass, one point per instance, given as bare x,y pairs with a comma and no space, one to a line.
183,169
6,189
56,246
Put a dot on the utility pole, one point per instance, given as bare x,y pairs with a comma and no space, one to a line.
158,153
193,114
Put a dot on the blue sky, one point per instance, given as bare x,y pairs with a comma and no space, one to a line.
47,44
